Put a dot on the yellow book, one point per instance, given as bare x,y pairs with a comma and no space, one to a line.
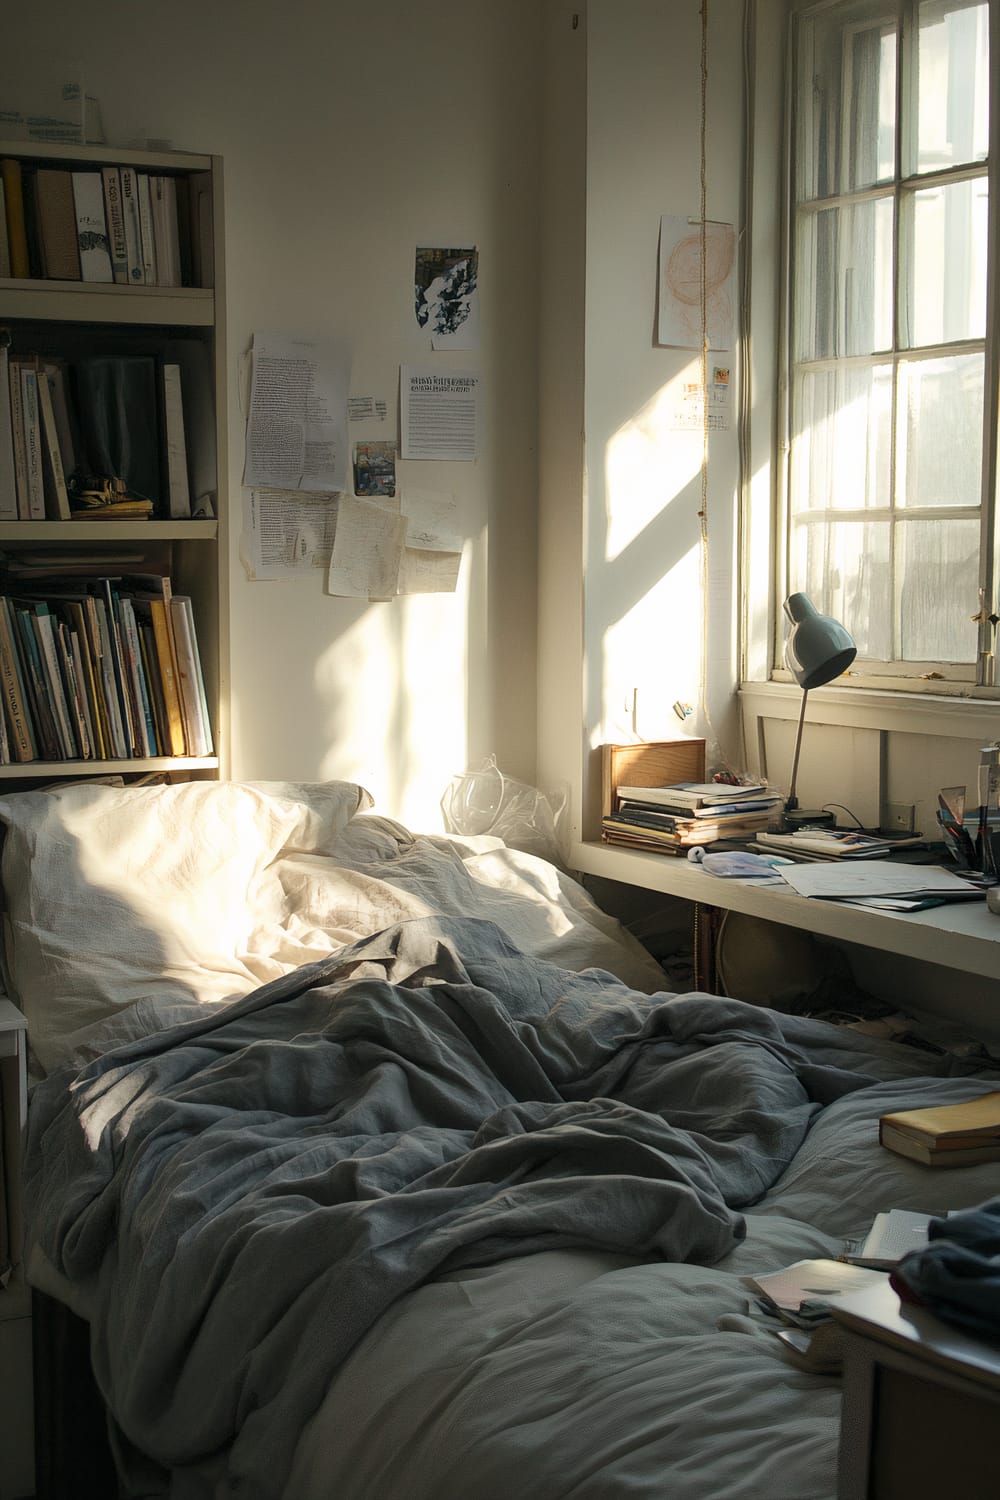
949,1126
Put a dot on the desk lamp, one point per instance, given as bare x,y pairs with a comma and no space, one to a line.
817,650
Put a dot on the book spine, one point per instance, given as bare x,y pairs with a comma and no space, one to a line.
111,180
146,226
4,233
32,442
17,234
57,223
55,376
163,195
127,709
81,678
151,663
145,730
109,683
91,227
44,628
133,227
178,490
43,712
182,621
8,471
166,655
55,480
102,717
20,448
15,700
71,689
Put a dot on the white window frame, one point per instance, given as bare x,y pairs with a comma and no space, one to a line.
765,421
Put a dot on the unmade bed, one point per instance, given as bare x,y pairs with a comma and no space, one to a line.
382,1167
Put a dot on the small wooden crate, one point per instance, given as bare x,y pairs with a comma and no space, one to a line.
658,763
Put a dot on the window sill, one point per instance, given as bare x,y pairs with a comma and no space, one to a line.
921,712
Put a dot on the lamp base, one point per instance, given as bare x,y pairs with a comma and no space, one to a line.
804,817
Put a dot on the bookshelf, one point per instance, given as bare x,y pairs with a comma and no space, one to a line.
74,321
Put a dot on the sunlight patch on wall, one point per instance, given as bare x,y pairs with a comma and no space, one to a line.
649,461
393,690
652,657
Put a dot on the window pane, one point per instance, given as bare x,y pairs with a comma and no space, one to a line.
841,442
845,132
938,565
843,281
946,285
941,431
952,85
844,568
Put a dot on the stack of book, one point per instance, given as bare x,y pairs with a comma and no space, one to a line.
947,1135
111,224
828,843
99,667
673,819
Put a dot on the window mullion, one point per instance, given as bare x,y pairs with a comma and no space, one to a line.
986,660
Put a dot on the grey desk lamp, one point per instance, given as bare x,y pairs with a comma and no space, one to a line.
817,650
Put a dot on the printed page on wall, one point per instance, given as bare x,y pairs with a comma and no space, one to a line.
682,288
446,295
439,413
297,419
287,534
367,549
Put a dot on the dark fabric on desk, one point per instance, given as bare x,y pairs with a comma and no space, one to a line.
957,1274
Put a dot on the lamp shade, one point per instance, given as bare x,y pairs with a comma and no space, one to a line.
818,649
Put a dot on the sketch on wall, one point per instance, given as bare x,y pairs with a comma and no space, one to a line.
681,284
446,295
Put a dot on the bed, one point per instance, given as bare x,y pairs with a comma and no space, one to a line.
382,1167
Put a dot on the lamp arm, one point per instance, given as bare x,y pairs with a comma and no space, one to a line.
790,800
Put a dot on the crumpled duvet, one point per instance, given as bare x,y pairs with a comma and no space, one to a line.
250,1191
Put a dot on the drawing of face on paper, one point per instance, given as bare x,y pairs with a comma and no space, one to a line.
446,295
681,283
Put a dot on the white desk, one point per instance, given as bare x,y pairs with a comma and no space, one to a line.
963,936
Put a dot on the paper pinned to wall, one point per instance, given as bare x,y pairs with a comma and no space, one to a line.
431,520
425,572
439,413
287,534
682,285
367,549
446,295
297,421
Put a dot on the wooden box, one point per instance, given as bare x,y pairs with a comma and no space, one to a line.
658,763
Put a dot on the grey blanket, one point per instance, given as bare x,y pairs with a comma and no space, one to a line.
253,1189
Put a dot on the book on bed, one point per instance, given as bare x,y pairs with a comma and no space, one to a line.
950,1135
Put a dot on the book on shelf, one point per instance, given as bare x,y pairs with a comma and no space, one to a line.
91,227
34,488
178,491
18,440
709,812
8,473
191,684
688,831
55,373
57,223
136,272
201,228
166,232
17,233
4,238
114,213
20,729
149,265
947,1135
53,477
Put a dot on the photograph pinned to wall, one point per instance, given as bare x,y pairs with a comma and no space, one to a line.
439,413
446,295
682,286
375,468
287,534
688,412
297,419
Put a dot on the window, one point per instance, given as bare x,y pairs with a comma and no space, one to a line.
888,486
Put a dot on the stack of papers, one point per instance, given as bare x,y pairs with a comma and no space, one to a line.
880,883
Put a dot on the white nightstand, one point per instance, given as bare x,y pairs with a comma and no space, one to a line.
17,1463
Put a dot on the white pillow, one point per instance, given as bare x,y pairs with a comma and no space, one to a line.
119,894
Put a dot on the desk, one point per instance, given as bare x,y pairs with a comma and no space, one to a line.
964,936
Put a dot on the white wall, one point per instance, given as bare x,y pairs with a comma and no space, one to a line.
647,633
348,132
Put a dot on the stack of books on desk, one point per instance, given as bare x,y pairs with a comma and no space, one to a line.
826,843
673,819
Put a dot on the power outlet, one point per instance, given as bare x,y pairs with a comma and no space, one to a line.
899,817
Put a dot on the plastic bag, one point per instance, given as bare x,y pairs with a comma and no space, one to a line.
487,801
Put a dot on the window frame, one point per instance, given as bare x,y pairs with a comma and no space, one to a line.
981,677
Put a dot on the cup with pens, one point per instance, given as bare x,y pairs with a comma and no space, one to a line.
978,854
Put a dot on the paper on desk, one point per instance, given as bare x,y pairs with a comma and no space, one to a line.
847,879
